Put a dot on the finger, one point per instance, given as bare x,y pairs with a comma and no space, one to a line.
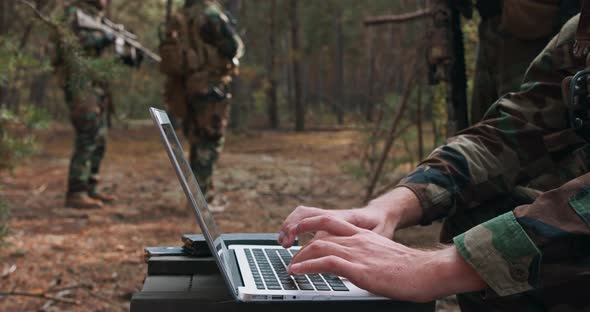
297,215
328,264
330,224
320,249
321,235
343,241
281,237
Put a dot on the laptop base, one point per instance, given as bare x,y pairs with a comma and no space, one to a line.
204,290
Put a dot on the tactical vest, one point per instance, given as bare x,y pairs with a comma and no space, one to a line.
185,53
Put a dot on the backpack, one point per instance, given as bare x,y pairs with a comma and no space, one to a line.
529,19
178,58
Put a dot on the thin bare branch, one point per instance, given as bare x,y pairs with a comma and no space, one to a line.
397,18
40,296
408,87
38,13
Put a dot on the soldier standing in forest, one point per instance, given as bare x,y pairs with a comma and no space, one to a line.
200,52
89,101
511,34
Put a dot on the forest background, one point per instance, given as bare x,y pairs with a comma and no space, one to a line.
337,73
349,75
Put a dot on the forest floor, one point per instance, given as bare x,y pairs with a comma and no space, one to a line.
95,257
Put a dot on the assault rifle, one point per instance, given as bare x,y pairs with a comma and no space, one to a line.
115,30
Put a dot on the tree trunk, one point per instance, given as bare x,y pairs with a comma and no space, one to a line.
370,75
168,11
38,89
419,124
4,17
339,87
457,84
3,30
273,108
296,63
233,7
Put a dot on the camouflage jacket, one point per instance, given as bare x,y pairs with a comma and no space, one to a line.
74,77
524,141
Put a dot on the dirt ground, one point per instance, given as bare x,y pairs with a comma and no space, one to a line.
95,257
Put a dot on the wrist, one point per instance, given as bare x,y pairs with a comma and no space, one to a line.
400,206
452,274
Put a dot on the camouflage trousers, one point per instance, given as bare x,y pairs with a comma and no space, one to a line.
568,296
89,120
205,126
500,65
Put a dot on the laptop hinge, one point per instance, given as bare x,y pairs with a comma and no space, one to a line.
235,273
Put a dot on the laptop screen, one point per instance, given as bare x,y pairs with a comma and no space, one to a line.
193,192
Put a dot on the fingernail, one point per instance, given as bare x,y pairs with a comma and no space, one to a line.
281,235
295,268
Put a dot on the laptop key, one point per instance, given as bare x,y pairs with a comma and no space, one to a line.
289,287
273,287
320,285
305,287
335,283
323,288
340,288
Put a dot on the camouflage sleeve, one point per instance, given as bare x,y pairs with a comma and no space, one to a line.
517,140
538,245
219,32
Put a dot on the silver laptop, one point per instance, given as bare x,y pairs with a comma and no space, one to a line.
252,272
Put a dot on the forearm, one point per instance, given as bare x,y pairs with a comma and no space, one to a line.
448,273
401,205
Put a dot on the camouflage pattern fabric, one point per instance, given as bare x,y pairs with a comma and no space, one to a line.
500,64
89,119
199,97
89,103
532,250
205,128
508,41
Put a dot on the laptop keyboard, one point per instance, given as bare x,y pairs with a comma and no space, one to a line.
269,269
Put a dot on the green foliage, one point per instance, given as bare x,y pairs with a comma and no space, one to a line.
136,90
16,142
16,64
78,67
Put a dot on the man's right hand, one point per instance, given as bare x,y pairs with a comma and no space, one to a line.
398,208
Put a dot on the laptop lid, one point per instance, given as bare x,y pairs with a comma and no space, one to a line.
193,193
